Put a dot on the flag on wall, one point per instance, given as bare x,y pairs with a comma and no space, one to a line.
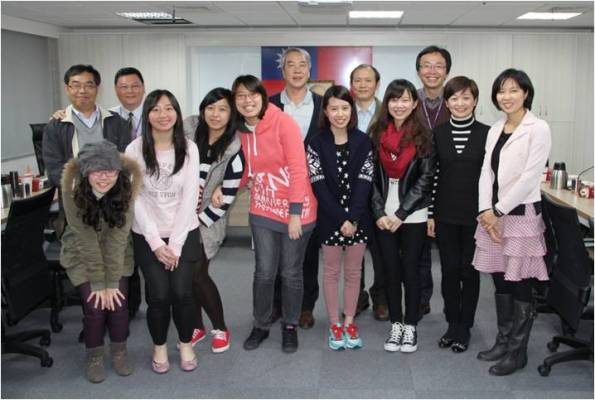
332,63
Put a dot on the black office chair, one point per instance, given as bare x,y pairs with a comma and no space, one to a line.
25,277
569,289
37,145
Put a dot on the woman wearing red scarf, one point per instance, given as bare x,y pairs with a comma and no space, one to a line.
401,195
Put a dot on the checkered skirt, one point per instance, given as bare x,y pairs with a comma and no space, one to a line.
520,254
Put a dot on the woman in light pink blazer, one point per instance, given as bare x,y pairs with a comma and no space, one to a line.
509,237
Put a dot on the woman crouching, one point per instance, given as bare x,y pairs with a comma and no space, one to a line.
98,188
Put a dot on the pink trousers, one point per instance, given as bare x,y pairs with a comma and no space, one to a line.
352,262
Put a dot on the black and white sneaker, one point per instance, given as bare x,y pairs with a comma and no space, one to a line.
395,337
409,344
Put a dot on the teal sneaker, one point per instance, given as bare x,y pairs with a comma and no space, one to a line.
336,340
351,335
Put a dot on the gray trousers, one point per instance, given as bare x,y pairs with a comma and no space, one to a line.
274,254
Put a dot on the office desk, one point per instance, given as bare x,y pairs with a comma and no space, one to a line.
584,207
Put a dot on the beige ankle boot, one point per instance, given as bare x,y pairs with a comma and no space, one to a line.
120,360
94,368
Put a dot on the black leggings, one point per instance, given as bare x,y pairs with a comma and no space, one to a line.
460,280
206,295
520,290
401,252
168,291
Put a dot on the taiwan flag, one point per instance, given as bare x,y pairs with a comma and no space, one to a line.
333,63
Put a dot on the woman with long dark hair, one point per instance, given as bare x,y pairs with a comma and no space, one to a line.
165,227
509,239
402,193
460,147
98,188
341,165
282,207
221,168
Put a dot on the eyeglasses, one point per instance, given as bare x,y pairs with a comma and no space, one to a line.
243,97
106,173
87,86
134,88
436,67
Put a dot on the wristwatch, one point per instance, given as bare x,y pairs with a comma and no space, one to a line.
497,212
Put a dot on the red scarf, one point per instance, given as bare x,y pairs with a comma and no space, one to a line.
395,158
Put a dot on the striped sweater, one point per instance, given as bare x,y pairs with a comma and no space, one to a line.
229,187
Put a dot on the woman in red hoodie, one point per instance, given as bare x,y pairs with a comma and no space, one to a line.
282,207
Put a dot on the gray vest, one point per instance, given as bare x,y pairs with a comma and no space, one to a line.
84,134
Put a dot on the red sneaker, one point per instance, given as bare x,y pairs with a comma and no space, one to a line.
221,341
198,335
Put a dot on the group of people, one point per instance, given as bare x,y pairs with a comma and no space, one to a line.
141,186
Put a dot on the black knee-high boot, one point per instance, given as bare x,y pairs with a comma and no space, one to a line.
504,313
516,357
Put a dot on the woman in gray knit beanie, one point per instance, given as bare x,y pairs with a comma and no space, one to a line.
98,189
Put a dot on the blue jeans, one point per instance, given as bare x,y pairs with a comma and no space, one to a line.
275,253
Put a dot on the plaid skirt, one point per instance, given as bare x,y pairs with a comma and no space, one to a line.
520,254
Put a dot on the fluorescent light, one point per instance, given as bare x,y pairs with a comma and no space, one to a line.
376,14
549,15
145,15
323,2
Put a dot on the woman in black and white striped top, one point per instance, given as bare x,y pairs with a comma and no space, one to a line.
221,169
459,146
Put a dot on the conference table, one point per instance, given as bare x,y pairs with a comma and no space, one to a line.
583,206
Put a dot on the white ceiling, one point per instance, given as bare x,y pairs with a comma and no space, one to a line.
240,14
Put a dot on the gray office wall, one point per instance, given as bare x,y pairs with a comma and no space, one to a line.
28,89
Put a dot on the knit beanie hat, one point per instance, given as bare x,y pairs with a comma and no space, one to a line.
100,156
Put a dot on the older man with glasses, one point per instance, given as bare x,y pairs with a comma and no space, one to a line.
83,122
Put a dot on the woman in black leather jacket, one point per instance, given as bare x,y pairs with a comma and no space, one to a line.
401,194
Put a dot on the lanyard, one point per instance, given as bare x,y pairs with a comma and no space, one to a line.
431,125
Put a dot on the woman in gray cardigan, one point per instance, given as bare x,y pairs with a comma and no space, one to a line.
221,165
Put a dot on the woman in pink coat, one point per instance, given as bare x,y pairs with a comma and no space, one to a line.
509,238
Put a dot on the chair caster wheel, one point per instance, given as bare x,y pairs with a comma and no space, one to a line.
544,370
553,346
47,362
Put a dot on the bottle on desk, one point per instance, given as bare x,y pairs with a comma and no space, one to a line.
6,191
559,176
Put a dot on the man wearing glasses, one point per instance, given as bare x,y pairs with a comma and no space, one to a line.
433,66
130,89
83,122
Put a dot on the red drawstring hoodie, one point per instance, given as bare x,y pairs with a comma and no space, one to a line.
276,163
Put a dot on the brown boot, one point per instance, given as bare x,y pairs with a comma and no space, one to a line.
120,359
306,320
94,368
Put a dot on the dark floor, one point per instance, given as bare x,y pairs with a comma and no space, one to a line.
313,372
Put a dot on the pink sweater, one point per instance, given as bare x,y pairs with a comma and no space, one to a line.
166,207
276,163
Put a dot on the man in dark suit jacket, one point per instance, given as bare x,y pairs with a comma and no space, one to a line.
364,81
304,106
